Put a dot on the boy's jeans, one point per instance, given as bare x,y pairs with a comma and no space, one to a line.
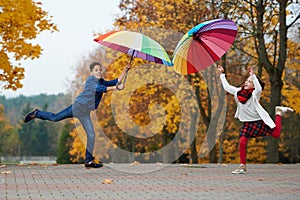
83,116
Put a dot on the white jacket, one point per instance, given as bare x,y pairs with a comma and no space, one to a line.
263,114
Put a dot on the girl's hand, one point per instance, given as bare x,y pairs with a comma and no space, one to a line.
220,68
250,70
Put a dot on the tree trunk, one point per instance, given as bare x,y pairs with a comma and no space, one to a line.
272,148
220,159
274,70
165,151
194,156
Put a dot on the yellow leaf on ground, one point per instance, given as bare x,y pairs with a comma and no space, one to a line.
107,181
6,172
135,163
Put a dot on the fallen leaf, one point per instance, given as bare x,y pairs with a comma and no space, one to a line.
107,181
135,163
261,179
6,172
2,166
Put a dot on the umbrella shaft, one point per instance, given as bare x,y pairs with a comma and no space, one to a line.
123,80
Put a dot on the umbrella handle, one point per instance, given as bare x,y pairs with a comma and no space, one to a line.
123,80
125,77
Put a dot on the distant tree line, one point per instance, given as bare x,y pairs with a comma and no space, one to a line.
37,138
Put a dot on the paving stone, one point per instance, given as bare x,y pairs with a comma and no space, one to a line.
150,181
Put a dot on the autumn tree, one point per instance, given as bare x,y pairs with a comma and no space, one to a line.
20,23
179,16
9,140
263,33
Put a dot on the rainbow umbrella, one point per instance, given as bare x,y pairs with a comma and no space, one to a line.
136,45
203,45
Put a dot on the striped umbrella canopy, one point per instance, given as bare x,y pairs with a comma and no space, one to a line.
135,44
203,45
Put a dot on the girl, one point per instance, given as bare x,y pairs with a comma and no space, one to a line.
256,121
85,102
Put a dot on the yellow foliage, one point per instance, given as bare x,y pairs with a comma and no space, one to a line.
291,97
20,22
78,146
256,150
152,101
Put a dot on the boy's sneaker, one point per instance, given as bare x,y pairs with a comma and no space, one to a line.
281,110
93,164
240,170
29,116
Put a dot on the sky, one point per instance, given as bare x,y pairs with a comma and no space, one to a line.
77,22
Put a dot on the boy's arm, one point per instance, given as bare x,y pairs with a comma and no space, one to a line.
104,88
112,85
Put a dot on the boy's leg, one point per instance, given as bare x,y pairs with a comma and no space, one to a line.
90,133
65,113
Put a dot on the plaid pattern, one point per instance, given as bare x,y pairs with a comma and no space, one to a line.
255,129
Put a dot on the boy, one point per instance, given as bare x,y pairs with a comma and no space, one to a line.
88,100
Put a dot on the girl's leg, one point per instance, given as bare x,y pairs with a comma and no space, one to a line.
90,133
243,152
55,117
243,149
277,129
279,111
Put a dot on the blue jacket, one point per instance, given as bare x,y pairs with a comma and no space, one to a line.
94,88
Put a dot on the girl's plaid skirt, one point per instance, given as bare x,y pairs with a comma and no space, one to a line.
255,129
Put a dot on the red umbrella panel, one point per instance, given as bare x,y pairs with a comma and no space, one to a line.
203,45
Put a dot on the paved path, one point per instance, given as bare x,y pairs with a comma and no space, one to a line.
149,181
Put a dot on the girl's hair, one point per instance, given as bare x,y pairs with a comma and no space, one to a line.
262,84
93,64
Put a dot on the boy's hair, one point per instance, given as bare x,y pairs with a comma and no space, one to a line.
93,64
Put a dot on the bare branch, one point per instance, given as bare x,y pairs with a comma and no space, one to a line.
293,22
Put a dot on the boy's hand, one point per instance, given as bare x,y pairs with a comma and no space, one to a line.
120,86
128,67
